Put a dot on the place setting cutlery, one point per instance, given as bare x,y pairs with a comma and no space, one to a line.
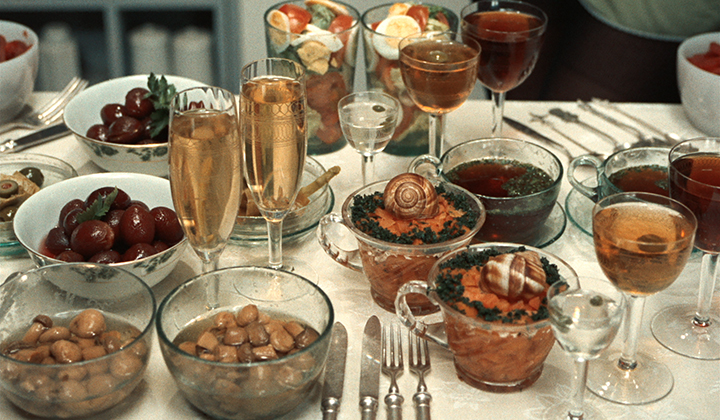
575,119
46,120
643,139
671,137
334,373
382,351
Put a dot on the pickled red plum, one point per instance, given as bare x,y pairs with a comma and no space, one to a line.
138,251
125,130
106,257
57,241
167,225
92,237
137,226
111,112
97,132
70,256
70,222
122,199
71,205
113,219
137,105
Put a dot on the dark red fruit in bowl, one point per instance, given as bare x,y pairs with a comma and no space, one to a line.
57,241
70,205
137,226
92,237
125,130
136,105
97,132
160,246
138,251
111,112
70,256
167,225
113,219
71,222
121,202
106,257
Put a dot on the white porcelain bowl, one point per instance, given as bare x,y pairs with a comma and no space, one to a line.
17,76
39,214
699,89
83,111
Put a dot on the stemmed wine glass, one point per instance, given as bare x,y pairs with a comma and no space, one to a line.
439,74
510,34
585,321
368,121
205,174
274,142
642,242
694,175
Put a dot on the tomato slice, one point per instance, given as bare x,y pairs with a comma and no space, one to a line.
299,17
440,17
421,14
15,48
340,23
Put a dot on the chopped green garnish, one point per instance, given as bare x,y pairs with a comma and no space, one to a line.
98,208
161,93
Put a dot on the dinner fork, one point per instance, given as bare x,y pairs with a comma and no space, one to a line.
673,138
419,358
50,112
643,139
392,358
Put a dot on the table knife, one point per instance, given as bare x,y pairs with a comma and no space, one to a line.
370,369
334,373
41,136
537,136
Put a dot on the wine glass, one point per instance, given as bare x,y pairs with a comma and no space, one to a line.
694,175
510,34
274,143
642,242
439,74
368,121
585,319
205,174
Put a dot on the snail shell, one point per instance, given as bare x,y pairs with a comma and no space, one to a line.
411,196
518,275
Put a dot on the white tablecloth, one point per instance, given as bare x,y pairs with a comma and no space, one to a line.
696,394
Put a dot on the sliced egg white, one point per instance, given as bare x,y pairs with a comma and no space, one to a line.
394,28
280,38
314,33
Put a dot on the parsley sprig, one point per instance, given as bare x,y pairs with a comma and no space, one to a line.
161,93
98,208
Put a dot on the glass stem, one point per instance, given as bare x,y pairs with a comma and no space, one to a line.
498,102
368,168
709,272
436,134
576,411
212,287
633,319
275,243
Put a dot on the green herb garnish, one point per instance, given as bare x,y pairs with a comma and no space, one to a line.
98,208
161,93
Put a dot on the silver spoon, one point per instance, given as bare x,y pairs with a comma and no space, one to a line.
643,139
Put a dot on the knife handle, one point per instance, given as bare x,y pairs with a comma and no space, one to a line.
422,405
368,408
330,408
394,406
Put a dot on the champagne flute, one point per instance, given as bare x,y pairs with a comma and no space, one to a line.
585,321
368,121
642,242
205,174
274,142
439,74
510,34
694,175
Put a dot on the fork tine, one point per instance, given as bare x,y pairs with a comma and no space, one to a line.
59,108
51,103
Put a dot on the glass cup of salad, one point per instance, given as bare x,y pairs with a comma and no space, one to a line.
383,28
322,36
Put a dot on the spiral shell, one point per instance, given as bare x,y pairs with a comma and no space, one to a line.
518,275
411,196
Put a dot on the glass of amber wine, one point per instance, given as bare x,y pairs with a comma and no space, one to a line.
205,174
694,175
510,34
642,242
274,142
439,74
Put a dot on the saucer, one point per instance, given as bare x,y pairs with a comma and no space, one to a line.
553,228
579,208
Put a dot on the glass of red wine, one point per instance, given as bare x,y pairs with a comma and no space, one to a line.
510,34
694,176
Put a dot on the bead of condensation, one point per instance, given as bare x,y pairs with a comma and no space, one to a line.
411,196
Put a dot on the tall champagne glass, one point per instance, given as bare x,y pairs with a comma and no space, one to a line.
694,174
274,141
642,242
439,74
205,174
585,319
510,34
368,121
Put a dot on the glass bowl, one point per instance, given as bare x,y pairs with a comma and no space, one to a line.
53,169
298,223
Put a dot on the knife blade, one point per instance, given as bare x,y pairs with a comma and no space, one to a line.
537,136
370,369
41,136
334,373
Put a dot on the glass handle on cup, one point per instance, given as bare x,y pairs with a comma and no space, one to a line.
434,332
348,258
423,160
592,193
